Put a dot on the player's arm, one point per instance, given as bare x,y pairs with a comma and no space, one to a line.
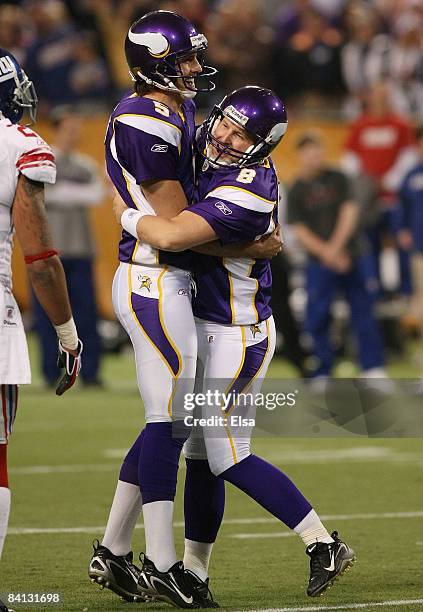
155,172
45,270
166,197
182,232
267,247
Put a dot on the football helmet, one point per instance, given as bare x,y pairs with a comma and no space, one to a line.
157,43
256,109
17,92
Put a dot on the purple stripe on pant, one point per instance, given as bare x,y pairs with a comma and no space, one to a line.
254,357
147,312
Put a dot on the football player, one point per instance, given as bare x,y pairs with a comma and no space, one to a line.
26,164
149,156
236,200
149,159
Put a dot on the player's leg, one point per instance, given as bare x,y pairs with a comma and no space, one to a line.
247,358
204,504
320,286
8,404
158,318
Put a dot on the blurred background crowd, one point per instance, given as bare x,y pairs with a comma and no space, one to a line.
317,54
350,70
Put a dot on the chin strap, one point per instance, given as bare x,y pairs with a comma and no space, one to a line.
185,93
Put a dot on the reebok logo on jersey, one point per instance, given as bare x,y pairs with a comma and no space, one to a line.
7,68
223,208
159,148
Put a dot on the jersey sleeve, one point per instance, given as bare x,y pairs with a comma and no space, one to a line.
148,148
235,215
34,158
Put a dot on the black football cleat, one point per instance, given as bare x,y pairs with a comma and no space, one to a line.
200,590
172,586
118,574
327,563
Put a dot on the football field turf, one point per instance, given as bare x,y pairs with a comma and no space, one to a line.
64,459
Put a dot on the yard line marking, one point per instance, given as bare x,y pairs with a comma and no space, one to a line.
63,469
353,606
292,455
233,521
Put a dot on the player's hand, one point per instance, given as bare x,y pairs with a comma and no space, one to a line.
70,359
119,206
405,240
268,246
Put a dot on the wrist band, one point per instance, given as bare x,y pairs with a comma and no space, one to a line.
129,221
67,334
29,259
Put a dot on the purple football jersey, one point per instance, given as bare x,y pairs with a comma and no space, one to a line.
146,141
240,205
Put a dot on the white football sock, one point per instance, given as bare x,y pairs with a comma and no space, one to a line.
4,514
158,526
311,529
197,558
124,513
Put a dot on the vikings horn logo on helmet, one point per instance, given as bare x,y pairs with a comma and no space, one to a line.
157,44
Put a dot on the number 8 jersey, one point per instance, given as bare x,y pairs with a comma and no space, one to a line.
240,205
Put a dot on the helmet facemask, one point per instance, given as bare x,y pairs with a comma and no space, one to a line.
254,154
168,74
25,97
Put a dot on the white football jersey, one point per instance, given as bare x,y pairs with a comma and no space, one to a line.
21,151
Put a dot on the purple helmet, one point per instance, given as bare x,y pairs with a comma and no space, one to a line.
256,109
157,43
17,92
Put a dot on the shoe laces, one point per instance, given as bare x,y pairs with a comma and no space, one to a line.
317,557
200,586
96,545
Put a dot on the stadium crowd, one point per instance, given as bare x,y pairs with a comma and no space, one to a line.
312,52
347,60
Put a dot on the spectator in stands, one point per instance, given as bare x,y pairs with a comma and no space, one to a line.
89,77
381,145
364,39
405,65
309,59
411,233
239,44
79,186
325,218
51,57
112,21
12,33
